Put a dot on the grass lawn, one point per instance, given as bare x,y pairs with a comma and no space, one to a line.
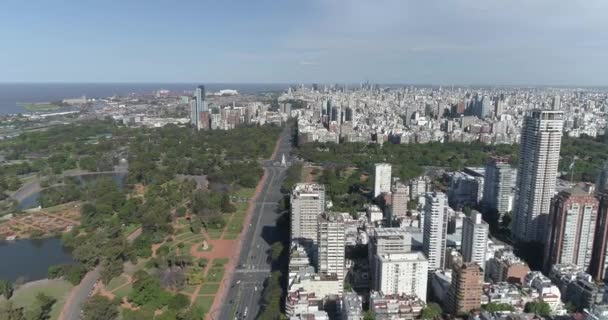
204,302
116,282
188,289
183,222
215,274
186,236
58,289
123,292
241,207
220,262
128,229
214,233
245,192
209,288
231,235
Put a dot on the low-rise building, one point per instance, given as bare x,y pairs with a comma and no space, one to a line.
395,307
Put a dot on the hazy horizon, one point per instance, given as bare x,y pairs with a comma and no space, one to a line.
467,43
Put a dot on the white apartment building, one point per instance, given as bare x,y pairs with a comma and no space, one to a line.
331,244
540,144
402,273
498,186
384,241
475,239
435,229
307,204
382,178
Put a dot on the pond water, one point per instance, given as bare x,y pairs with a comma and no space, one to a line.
31,259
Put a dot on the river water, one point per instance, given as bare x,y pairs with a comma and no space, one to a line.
11,94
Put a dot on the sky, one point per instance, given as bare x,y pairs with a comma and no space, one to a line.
447,42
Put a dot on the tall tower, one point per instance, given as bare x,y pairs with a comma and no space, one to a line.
193,113
435,229
538,160
556,103
498,186
382,178
599,259
572,224
474,239
307,204
201,107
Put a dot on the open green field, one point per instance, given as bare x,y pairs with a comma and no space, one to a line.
59,289
245,193
42,106
204,302
209,288
123,292
214,233
220,262
116,282
215,274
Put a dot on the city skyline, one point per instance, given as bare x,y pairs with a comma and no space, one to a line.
464,43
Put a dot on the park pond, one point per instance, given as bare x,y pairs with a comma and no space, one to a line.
30,259
31,200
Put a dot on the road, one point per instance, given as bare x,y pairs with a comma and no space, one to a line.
79,295
253,266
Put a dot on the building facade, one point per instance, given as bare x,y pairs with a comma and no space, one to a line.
537,172
307,204
331,245
382,178
435,229
402,273
498,186
466,289
571,228
475,239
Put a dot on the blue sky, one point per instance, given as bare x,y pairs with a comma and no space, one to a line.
511,42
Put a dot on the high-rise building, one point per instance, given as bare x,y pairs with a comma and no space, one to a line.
435,229
556,102
474,239
384,241
599,258
537,172
601,187
486,107
399,199
418,187
307,204
193,113
571,228
331,243
201,106
402,273
382,178
464,293
498,186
